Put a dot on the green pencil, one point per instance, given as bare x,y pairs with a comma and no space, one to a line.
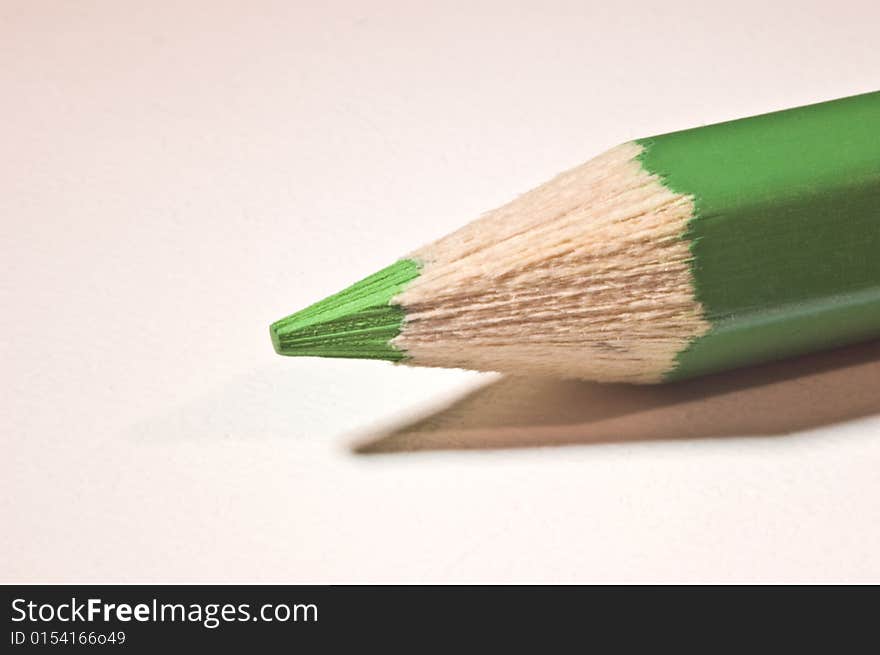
664,258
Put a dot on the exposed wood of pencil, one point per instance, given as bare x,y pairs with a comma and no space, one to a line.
585,276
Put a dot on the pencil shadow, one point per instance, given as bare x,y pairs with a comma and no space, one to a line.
772,399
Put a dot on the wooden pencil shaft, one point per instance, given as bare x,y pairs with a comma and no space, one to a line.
664,258
786,229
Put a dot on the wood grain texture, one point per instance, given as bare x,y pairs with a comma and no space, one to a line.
586,276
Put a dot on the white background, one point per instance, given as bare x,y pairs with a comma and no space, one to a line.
175,176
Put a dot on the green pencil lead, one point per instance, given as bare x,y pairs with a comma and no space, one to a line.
358,322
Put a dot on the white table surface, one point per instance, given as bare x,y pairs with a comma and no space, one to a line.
176,175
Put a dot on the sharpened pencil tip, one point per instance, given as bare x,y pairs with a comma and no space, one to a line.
358,322
276,341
